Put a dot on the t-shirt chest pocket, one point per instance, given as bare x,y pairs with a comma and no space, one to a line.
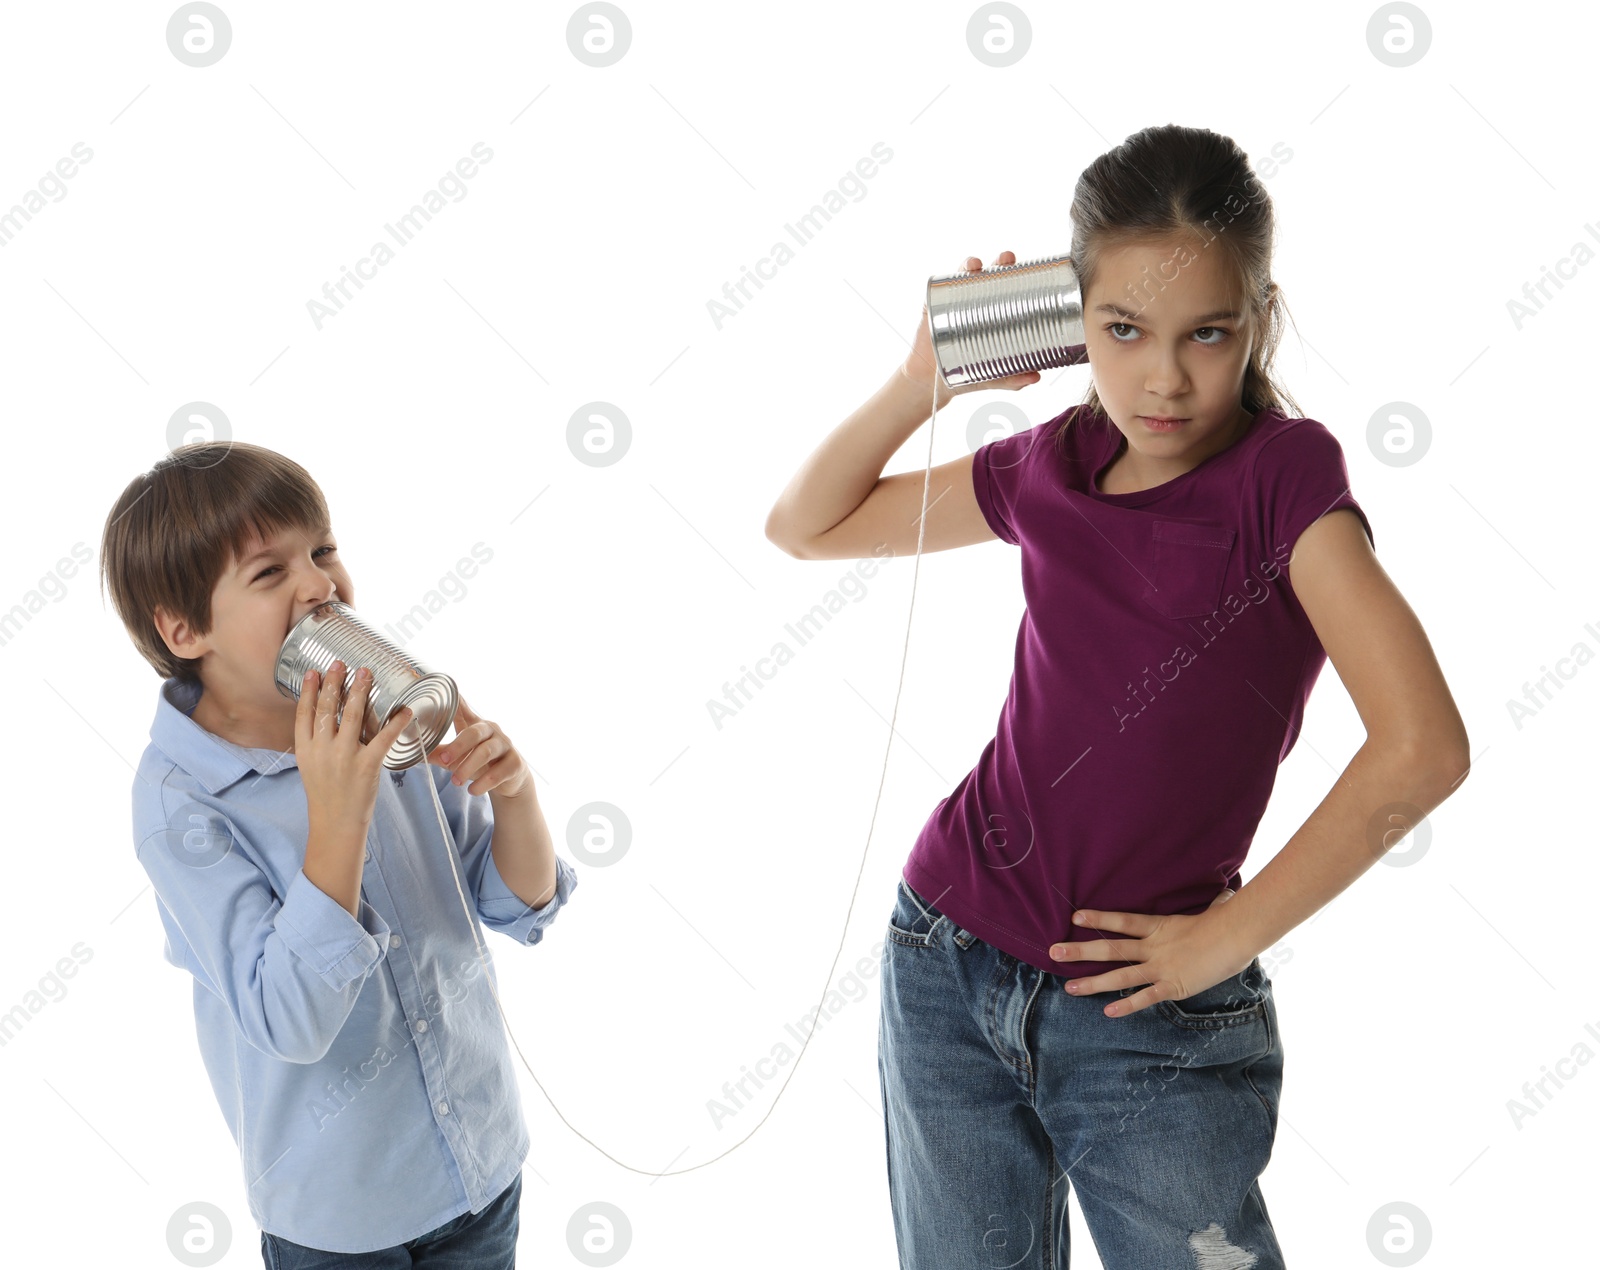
1188,565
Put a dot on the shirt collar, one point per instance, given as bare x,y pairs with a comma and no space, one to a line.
214,762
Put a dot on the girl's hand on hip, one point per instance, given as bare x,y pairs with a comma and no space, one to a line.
1180,954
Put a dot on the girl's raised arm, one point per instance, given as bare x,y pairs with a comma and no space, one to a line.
839,505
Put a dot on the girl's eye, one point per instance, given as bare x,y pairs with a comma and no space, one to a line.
273,568
1217,330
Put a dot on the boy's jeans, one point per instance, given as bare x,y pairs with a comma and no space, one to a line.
472,1241
998,1086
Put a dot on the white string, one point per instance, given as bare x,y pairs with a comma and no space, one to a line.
444,832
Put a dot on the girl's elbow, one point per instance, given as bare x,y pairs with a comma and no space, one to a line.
1438,759
1442,762
1452,752
1456,766
775,532
786,542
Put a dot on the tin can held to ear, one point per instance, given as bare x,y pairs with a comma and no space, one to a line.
1006,320
332,632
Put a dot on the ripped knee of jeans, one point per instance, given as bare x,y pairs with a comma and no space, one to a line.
1212,1251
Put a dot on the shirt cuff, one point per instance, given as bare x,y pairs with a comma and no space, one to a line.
323,934
503,910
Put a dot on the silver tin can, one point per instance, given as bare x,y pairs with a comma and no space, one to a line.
1006,320
331,632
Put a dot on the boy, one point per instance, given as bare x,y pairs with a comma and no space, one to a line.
362,1071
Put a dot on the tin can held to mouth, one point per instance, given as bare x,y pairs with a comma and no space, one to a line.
1006,320
332,632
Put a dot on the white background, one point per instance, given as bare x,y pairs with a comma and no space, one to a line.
433,411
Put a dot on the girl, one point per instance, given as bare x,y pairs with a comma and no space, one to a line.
1190,554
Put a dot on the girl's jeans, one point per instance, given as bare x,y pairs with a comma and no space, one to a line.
473,1241
998,1087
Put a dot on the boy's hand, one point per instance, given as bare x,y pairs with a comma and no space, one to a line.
1180,952
340,773
921,367
481,753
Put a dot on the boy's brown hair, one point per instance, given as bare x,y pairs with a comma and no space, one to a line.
177,528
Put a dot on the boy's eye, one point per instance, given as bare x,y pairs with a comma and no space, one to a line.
272,567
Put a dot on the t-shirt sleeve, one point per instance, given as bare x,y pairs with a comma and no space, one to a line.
1002,472
1300,477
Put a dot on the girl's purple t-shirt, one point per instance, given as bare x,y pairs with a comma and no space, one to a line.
1162,667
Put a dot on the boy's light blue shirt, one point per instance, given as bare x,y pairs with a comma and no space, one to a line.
360,1062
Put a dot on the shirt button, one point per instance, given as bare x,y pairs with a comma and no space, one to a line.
394,941
367,855
422,1025
444,1109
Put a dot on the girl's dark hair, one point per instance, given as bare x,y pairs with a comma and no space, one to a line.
1172,181
175,528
